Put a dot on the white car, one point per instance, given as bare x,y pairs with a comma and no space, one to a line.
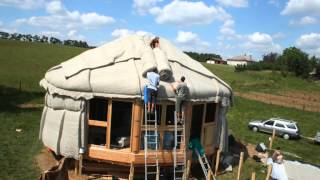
284,128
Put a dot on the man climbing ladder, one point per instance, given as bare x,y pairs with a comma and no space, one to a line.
181,91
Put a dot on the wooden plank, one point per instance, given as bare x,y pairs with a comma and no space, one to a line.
209,175
187,172
269,172
272,138
240,166
97,123
253,176
109,120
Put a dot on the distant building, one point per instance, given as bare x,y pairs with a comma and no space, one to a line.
216,61
240,60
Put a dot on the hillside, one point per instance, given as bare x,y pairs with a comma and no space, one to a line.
27,63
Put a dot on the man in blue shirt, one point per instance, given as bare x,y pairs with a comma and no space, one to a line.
152,90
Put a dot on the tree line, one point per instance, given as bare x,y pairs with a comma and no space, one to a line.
292,60
43,39
202,57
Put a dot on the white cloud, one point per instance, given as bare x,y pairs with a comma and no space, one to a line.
301,7
73,34
121,33
117,33
190,41
260,42
310,43
234,3
188,13
23,4
61,18
55,7
143,6
306,20
94,19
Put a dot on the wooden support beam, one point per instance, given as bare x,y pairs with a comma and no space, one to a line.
253,176
76,167
136,124
217,162
209,175
80,166
240,165
269,172
187,171
131,175
272,138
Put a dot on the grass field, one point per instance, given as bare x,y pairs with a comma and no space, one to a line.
28,62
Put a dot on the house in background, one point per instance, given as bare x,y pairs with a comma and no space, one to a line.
240,60
216,61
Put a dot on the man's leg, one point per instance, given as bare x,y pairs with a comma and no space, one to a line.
149,100
178,107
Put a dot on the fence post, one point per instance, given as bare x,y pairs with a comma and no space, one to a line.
240,165
217,162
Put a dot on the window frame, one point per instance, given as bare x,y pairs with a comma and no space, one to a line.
107,124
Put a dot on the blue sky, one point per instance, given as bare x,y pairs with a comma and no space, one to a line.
225,27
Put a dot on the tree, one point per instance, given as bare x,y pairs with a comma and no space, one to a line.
270,58
296,61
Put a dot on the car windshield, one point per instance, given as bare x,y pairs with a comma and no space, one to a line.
291,126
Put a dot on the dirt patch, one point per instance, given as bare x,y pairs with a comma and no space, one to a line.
45,160
29,106
303,101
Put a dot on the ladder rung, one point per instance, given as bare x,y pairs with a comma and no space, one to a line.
151,135
152,165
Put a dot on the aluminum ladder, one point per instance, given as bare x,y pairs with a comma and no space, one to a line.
204,165
179,140
151,144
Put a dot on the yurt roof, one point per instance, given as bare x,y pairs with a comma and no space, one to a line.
117,69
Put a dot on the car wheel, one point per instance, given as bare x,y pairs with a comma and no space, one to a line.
255,129
286,136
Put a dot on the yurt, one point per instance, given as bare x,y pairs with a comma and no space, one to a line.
94,101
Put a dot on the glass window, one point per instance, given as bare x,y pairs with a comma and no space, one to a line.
210,112
270,123
279,125
291,126
97,135
196,121
121,124
151,140
168,140
98,109
170,115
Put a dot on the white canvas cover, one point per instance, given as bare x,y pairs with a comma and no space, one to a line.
118,69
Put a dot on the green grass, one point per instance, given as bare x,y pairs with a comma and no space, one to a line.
245,110
25,62
261,81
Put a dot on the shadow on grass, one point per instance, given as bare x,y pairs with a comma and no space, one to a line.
11,98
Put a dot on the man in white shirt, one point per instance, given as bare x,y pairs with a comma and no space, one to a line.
152,90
